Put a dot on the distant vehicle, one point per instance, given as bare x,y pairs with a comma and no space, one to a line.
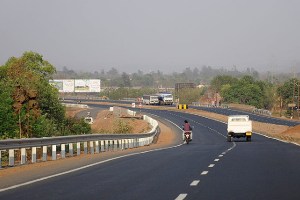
239,126
150,99
165,98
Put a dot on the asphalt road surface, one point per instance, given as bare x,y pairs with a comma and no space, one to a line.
207,168
252,116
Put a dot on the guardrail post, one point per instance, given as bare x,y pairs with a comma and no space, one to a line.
85,147
92,147
44,153
115,145
106,145
11,153
0,159
23,156
102,145
111,147
71,149
120,144
78,148
125,144
97,146
141,142
54,152
63,150
131,145
33,154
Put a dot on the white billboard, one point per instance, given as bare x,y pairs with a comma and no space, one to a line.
87,85
68,85
57,84
95,85
77,85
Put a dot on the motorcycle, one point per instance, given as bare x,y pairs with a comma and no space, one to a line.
187,136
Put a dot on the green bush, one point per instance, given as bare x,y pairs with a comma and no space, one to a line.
122,127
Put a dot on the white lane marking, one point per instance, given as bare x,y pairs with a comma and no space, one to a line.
195,183
211,165
220,155
216,160
181,197
84,167
277,139
204,173
224,153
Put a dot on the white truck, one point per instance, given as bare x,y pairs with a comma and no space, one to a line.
165,98
239,126
150,99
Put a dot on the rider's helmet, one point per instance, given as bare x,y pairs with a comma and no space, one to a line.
185,121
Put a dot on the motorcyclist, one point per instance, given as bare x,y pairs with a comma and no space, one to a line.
187,126
187,129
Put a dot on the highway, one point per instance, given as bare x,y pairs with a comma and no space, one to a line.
222,111
207,168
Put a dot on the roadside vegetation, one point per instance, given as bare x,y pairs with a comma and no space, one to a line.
280,98
29,106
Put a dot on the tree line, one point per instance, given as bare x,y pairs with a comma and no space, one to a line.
259,93
154,79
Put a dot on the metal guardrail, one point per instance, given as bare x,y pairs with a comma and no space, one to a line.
89,143
256,110
262,112
75,105
209,105
37,142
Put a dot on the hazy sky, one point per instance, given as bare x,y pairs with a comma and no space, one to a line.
168,35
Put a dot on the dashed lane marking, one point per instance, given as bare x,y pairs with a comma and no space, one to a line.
181,197
216,160
195,183
220,155
204,173
211,165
